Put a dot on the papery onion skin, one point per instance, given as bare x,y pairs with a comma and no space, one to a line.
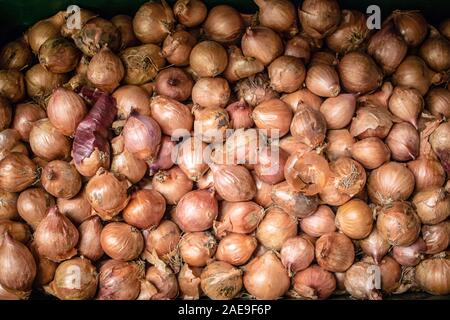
163,240
440,142
12,85
238,217
197,248
130,98
339,144
271,164
390,182
319,18
407,104
355,219
433,275
296,254
274,116
438,101
123,162
236,249
294,203
335,252
319,223
323,80
239,66
47,142
177,47
390,273
435,51
428,173
411,255
403,141
221,281
189,282
211,123
255,89
359,73
190,13
164,280
173,184
286,74
411,25
15,55
5,113
190,158
261,43
77,209
375,245
208,59
135,60
17,172
145,209
233,183
298,46
432,205
58,55
17,230
223,24
211,92
265,277
61,179
105,70
276,227
40,83
240,115
436,237
278,15
371,152
314,283
360,281
124,24
338,111
171,115
33,205
8,205
89,245
309,126
302,98
121,241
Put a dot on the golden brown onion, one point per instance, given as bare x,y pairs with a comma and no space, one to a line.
145,209
15,55
58,55
223,24
323,80
274,116
89,245
221,281
211,92
319,18
286,74
278,15
335,252
24,116
61,179
371,121
370,152
438,102
174,83
276,227
141,63
261,43
314,283
309,125
236,249
189,282
436,51
130,99
40,83
12,85
411,25
339,144
294,203
76,209
407,104
432,205
403,141
233,182
190,13
17,172
355,219
197,248
121,241
105,70
238,217
338,111
375,245
208,59
177,47
433,274
153,22
296,254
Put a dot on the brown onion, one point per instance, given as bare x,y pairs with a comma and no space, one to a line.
197,248
390,273
12,85
388,48
309,125
145,209
163,241
351,32
338,111
164,281
428,173
17,172
208,59
171,115
153,22
141,63
314,283
409,255
375,245
61,179
301,99
177,47
261,43
438,101
47,142
359,73
270,165
433,275
123,162
399,224
335,252
15,55
211,123
58,55
378,98
293,145
411,25
76,209
440,142
56,237
297,253
17,230
319,18
403,141
298,46
124,24
361,279
130,99
121,241
190,13
41,83
255,89
355,219
211,92
189,282
240,115
174,83
319,223
435,51
294,203
221,281
274,116
223,24
196,211
105,70
339,144
233,182
173,184
236,249
370,152
238,217
33,205
239,66
436,237
10,142
371,122
90,232
265,277
407,104
323,80
107,194
8,205
142,136
276,227
432,205
40,32
5,114
190,158
286,74
119,280
24,116
277,15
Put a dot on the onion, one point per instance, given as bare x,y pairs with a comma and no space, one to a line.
189,282
124,24
223,24
131,99
238,217
211,123
390,273
440,142
370,152
338,111
17,230
236,249
314,283
351,32
270,165
359,73
319,223
142,136
163,241
15,55
90,232
79,270
197,248
164,280
277,15
388,48
190,158
297,254
432,205
119,280
241,147
196,211
323,80
172,184
411,25
58,55
379,98
12,85
240,113
403,141
298,46
407,104
371,122
61,179
5,113
121,241
47,142
174,83
276,227
324,57
261,43
45,269
211,92
10,142
125,163
294,203
339,144
208,59
286,74
435,51
141,63
40,32
360,281
255,89
409,255
76,209
8,205
105,71
190,13
107,194
177,47
428,173
399,224
335,252
274,116
171,115
17,264
319,18
221,281
293,145
239,66
433,274
56,237
153,22
233,182
265,277
414,73
24,116
145,209
375,245
307,172
438,100
40,83
436,237
17,172
355,219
